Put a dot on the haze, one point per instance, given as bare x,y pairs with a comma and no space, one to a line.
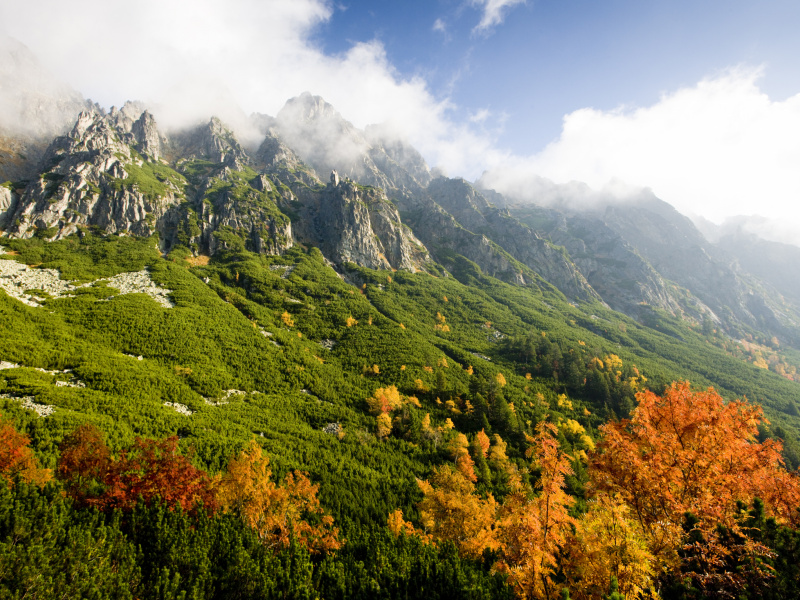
506,90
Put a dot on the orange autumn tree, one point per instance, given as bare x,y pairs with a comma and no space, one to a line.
277,512
17,459
690,452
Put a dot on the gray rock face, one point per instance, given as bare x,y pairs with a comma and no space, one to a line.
471,209
617,272
677,250
446,238
326,141
91,177
355,224
6,201
212,142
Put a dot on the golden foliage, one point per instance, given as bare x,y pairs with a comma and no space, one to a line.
608,543
287,319
384,400
483,442
276,512
452,511
532,532
384,422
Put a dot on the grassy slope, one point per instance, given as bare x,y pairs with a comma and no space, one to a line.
212,342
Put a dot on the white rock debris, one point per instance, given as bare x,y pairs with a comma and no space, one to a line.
287,270
72,384
332,428
140,282
211,402
16,278
483,356
8,365
179,408
43,410
229,393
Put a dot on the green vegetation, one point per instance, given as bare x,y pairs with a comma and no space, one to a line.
473,351
152,179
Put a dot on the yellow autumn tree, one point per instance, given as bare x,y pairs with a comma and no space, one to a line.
451,510
384,400
609,542
277,512
459,452
532,531
384,425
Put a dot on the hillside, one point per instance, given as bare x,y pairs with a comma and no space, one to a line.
162,284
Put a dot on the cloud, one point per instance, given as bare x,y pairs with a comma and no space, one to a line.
494,13
440,25
719,148
189,59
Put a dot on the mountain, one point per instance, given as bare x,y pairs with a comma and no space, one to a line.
327,298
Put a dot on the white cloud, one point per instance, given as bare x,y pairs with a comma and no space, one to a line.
440,25
480,116
193,58
494,13
717,149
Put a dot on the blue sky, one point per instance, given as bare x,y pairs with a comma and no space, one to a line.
699,101
551,57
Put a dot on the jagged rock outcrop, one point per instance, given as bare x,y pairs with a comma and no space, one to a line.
7,201
677,250
614,269
445,238
326,142
356,224
212,142
90,177
473,211
228,203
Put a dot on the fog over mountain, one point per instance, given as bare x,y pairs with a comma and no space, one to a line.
718,148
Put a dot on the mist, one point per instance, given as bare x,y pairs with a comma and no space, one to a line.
189,60
719,148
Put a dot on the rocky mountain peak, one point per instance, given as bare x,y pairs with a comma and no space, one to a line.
307,108
211,141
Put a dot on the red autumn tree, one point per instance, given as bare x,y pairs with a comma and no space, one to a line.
146,471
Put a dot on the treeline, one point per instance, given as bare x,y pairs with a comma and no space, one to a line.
147,524
682,502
